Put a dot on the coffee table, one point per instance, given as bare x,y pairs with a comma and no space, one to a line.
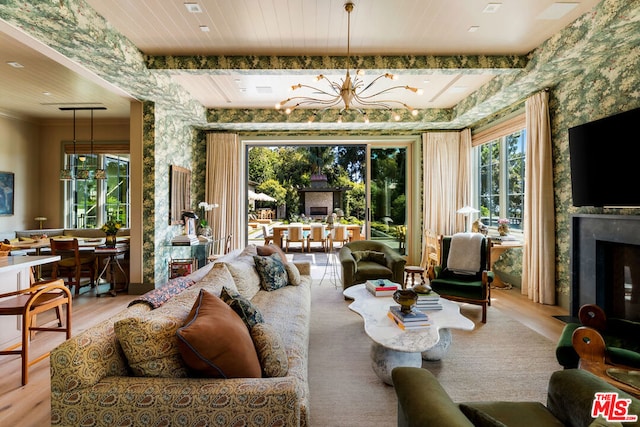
393,346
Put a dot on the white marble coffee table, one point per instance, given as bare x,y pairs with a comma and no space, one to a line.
393,346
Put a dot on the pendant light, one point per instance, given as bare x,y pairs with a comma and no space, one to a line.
67,173
100,173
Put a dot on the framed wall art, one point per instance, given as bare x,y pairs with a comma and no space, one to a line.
6,193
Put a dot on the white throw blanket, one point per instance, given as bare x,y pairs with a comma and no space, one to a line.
464,253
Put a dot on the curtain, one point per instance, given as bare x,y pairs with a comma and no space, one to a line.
223,187
447,180
538,261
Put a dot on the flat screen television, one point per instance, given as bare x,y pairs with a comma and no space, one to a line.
605,166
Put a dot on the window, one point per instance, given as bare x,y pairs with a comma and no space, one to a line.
501,174
90,203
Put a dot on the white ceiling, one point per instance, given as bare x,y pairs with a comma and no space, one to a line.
280,27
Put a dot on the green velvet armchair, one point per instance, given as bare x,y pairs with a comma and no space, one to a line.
362,260
472,287
422,401
621,338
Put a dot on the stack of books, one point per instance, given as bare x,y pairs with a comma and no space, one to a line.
429,301
381,287
416,319
185,240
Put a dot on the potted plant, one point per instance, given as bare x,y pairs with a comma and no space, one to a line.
110,228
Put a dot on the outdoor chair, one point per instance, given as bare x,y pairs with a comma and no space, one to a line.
295,234
318,234
463,274
340,234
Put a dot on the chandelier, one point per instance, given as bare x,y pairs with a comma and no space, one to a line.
74,171
350,93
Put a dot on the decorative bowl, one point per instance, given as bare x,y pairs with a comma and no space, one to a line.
407,298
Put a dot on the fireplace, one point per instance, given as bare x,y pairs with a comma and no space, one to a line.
318,210
605,264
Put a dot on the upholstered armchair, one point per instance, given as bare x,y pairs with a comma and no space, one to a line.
465,276
362,260
621,338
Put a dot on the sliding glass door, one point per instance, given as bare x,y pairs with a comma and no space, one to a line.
387,196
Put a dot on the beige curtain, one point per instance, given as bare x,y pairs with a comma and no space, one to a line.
223,187
447,180
538,261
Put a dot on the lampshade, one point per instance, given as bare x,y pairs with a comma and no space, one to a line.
66,175
100,174
82,174
467,210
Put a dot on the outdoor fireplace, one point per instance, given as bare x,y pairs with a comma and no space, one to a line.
605,264
318,210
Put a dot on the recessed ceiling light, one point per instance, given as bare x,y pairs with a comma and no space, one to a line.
556,11
491,8
204,28
264,89
457,89
15,64
46,93
473,29
193,7
426,81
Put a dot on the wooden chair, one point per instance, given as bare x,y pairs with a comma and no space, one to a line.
430,252
295,234
318,234
73,264
28,303
268,237
472,287
340,234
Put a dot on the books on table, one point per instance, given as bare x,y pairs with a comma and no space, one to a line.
381,287
415,319
429,301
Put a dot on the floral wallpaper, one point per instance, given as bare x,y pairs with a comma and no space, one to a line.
591,69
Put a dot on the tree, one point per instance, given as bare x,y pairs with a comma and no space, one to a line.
273,189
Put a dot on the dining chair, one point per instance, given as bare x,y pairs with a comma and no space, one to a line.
317,234
295,234
268,237
340,234
74,265
28,303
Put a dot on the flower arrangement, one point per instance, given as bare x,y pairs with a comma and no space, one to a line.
111,227
503,226
204,206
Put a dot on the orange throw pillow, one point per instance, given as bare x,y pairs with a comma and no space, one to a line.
215,342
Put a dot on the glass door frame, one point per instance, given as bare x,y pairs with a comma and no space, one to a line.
414,175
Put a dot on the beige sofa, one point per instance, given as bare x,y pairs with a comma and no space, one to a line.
92,384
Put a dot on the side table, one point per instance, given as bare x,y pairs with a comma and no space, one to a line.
111,257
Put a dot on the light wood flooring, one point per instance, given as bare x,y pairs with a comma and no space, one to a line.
30,405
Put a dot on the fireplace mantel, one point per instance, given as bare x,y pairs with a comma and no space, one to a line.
586,232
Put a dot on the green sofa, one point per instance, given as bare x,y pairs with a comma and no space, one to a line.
362,260
422,401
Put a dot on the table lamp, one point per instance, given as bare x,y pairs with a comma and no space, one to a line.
467,211
40,219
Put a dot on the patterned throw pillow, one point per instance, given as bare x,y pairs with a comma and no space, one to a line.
270,349
271,271
215,342
249,313
293,274
150,346
244,275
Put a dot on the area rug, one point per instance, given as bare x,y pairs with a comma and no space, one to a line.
500,360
